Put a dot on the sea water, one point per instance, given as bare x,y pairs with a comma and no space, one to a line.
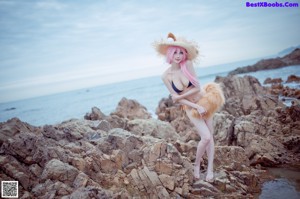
149,91
285,185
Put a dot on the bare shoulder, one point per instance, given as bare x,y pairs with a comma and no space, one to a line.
165,75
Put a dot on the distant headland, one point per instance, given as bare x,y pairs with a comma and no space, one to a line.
290,59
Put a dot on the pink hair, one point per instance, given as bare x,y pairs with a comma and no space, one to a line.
170,53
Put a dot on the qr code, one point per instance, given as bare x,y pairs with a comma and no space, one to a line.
9,189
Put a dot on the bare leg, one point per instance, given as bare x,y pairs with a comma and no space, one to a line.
205,135
210,150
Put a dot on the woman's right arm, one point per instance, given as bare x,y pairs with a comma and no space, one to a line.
167,83
200,109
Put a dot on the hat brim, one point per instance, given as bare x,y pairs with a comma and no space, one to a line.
162,48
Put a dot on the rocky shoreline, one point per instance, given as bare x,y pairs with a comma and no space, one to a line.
266,64
128,154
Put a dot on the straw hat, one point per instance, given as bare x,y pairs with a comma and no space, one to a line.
162,46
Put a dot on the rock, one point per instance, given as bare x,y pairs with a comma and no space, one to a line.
131,109
253,129
57,170
162,192
80,180
135,179
204,188
11,167
273,81
67,161
35,169
167,181
52,132
293,78
117,122
96,114
178,119
229,156
279,89
104,126
164,167
152,176
258,136
292,142
154,128
291,114
130,155
91,192
224,128
291,59
14,126
245,95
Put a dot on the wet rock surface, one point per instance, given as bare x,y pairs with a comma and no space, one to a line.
128,154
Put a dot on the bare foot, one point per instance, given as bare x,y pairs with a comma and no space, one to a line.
210,176
197,172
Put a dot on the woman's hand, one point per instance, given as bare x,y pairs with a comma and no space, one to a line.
175,97
201,110
202,92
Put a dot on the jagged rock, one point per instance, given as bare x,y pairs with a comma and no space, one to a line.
167,181
224,128
91,192
96,114
231,156
170,112
256,127
80,180
245,95
62,161
152,127
292,142
253,117
106,123
279,89
14,126
129,155
250,119
273,81
289,114
131,109
57,170
204,188
293,78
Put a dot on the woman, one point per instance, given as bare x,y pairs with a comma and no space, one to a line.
200,104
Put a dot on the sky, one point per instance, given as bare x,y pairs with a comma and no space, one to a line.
53,46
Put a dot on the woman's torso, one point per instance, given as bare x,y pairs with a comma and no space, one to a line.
181,82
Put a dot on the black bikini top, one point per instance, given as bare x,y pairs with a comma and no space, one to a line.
177,90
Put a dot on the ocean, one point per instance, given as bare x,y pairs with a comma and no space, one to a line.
53,109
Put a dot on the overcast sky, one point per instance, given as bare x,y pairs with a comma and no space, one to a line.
52,46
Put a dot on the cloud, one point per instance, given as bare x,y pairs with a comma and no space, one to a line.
59,41
50,5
